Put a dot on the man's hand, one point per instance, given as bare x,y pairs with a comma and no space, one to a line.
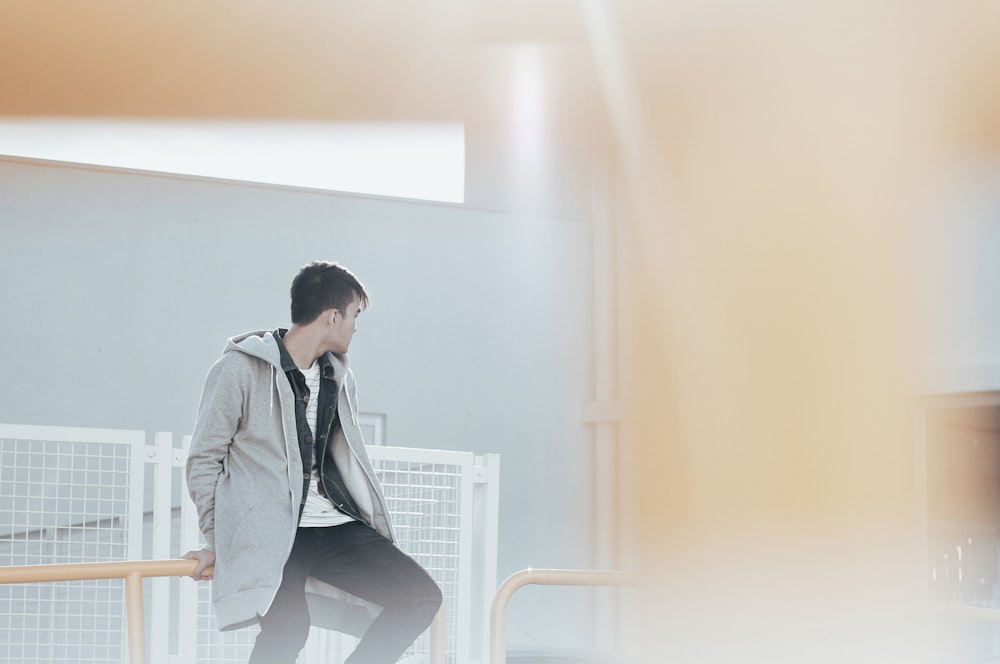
206,561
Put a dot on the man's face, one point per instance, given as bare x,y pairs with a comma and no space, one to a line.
343,328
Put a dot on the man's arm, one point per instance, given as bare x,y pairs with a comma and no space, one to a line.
217,422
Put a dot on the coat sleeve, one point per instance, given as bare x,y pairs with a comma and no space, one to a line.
219,417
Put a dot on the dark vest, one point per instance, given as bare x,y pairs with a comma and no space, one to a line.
327,420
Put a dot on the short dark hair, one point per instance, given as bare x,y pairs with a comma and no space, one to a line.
323,285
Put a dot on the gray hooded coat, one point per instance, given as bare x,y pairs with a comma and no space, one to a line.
244,474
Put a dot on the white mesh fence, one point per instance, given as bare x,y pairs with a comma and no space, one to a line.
426,499
91,495
431,496
66,496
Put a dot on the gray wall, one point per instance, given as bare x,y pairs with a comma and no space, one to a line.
119,290
957,322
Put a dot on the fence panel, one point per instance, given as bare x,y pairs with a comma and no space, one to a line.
98,495
67,495
432,496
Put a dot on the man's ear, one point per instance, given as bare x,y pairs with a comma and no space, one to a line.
332,319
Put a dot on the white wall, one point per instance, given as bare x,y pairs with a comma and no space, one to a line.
958,322
118,290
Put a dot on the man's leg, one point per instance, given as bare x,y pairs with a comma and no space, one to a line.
355,558
285,627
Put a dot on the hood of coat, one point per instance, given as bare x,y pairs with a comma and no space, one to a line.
262,344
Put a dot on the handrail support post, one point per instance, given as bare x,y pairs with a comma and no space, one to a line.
135,618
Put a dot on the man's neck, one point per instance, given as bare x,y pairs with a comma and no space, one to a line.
303,345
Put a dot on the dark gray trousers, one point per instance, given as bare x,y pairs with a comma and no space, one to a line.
354,558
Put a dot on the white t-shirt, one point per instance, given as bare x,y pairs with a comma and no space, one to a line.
318,510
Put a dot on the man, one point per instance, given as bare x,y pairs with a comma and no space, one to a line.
286,494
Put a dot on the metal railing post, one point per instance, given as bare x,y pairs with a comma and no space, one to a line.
548,577
135,618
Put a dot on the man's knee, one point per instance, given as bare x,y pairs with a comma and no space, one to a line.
281,638
437,598
276,650
429,597
419,594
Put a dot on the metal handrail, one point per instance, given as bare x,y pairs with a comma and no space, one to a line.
548,577
133,571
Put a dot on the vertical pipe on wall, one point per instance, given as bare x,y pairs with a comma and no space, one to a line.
190,539
605,428
162,516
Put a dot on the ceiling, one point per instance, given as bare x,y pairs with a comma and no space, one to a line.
686,78
299,59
